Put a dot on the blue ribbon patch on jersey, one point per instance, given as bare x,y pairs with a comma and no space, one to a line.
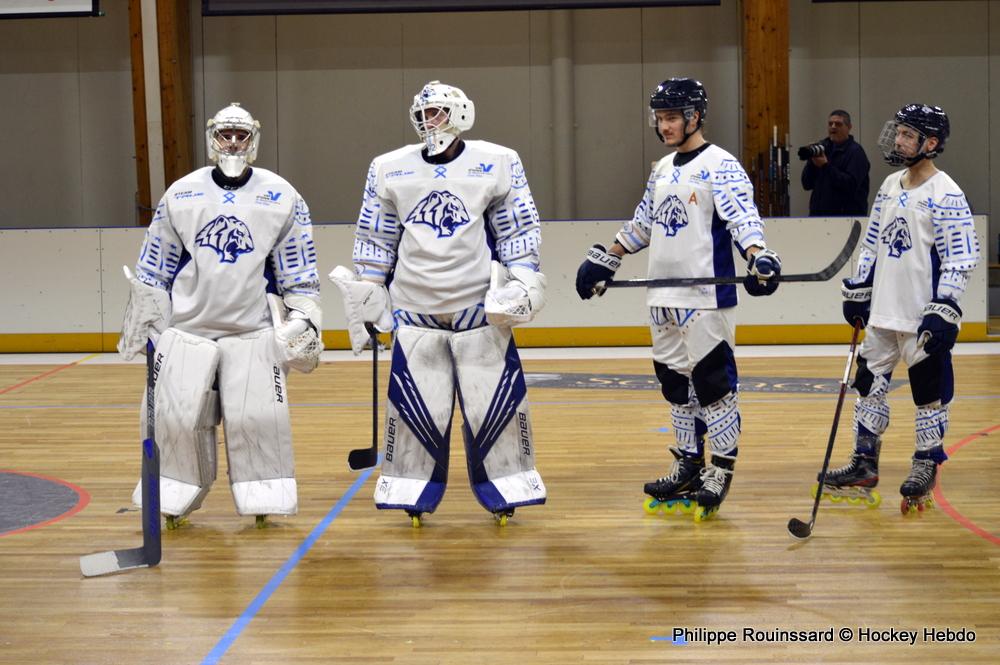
897,237
228,236
671,215
442,211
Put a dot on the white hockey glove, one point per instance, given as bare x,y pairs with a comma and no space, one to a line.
296,340
364,302
147,314
515,296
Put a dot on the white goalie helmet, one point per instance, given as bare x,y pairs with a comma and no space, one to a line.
439,113
232,137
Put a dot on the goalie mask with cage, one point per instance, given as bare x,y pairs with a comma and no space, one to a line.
686,95
903,140
232,137
439,113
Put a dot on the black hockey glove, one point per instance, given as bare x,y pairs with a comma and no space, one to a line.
599,266
939,329
857,301
762,270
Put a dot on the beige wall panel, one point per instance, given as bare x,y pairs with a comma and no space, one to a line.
340,103
824,74
40,175
915,51
701,42
539,161
107,139
608,91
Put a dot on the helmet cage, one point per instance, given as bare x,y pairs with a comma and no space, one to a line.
232,138
459,112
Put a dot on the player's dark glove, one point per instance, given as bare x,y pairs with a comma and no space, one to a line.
599,266
939,329
857,301
763,269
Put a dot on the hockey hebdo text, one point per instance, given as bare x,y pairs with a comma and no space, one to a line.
859,634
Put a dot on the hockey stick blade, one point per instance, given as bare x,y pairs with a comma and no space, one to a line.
116,561
365,458
823,275
799,529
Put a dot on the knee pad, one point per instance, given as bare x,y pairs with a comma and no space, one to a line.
722,419
863,378
417,421
254,400
674,385
492,394
932,380
186,415
714,376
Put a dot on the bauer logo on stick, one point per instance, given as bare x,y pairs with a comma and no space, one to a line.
228,236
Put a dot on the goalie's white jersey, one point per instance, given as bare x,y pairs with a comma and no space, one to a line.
217,251
436,226
922,245
696,205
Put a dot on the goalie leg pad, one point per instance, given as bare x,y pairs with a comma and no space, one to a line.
186,417
497,424
258,431
414,470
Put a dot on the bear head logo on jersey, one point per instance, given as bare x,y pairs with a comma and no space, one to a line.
671,215
897,237
442,211
228,236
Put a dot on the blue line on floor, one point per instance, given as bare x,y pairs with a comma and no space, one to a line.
254,607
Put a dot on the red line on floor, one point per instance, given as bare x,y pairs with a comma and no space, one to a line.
941,501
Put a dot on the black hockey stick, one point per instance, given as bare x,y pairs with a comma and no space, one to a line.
365,458
821,276
114,561
796,527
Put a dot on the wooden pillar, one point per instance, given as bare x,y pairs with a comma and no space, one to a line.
765,102
174,29
143,203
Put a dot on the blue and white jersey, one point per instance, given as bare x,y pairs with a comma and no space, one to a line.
696,206
921,244
217,250
436,226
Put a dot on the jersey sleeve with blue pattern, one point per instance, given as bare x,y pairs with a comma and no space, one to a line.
162,249
733,195
378,232
956,243
513,220
293,258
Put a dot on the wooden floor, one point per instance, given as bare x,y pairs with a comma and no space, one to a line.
587,578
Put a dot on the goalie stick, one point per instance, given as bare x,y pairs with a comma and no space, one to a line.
821,276
364,458
796,527
114,561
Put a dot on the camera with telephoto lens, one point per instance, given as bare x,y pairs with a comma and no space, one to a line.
811,150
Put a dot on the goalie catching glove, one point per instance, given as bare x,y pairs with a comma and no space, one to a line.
515,296
364,302
297,321
147,314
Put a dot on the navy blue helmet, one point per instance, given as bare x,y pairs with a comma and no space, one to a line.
927,121
683,94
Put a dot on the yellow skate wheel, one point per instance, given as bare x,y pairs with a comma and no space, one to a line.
415,521
175,522
873,500
687,506
260,521
834,498
502,519
854,500
702,514
651,506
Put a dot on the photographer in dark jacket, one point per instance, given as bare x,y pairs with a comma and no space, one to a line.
836,171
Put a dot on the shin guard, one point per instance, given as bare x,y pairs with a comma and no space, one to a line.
497,427
417,421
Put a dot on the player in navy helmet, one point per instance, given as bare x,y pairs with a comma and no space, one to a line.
916,258
698,204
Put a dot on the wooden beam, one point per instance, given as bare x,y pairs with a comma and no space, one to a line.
765,101
143,203
174,31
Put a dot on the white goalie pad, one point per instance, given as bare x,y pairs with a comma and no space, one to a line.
417,421
515,296
187,413
295,341
497,429
254,400
147,314
364,302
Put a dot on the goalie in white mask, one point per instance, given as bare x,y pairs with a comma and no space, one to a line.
446,254
226,288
